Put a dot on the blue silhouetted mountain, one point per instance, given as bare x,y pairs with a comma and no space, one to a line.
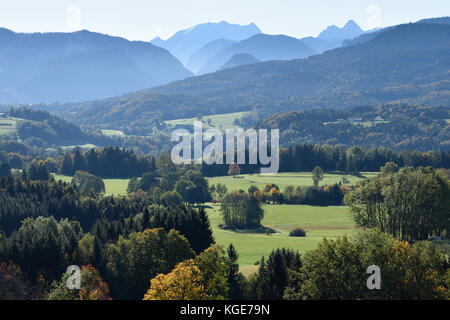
199,57
334,33
239,60
185,42
92,75
263,47
320,45
369,35
441,20
27,57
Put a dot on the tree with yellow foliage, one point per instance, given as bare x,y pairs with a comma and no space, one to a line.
182,283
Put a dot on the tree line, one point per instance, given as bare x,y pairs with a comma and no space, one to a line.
305,157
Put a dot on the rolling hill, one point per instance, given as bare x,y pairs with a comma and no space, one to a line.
400,127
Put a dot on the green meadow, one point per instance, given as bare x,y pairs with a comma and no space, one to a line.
112,186
319,222
282,180
219,121
8,125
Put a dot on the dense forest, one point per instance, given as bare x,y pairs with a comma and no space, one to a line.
132,248
398,127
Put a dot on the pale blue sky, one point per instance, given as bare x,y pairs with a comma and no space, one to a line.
145,19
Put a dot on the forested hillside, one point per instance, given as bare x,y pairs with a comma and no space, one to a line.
395,126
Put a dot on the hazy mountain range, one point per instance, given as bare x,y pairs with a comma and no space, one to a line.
80,66
221,41
263,47
402,64
47,67
185,42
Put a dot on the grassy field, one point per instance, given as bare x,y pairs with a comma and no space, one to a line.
8,125
365,124
282,180
319,222
219,121
112,186
112,133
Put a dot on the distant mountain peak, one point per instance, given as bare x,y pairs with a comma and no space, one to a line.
185,42
351,24
350,30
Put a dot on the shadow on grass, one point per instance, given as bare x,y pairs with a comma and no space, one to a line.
255,230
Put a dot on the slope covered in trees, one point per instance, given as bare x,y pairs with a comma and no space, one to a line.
394,126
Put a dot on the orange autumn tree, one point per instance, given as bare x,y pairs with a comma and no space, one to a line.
92,285
182,283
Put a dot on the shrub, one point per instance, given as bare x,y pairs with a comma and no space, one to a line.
297,232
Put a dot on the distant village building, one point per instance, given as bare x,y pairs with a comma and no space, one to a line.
378,119
2,115
354,119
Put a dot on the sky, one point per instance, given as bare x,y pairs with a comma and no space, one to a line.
146,19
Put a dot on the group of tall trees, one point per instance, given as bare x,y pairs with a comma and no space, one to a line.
88,183
413,204
328,195
241,210
181,185
106,162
